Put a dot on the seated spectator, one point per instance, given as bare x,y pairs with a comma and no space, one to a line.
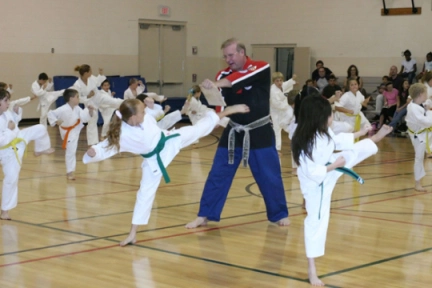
353,73
427,66
390,101
395,78
322,80
401,107
379,100
318,65
409,67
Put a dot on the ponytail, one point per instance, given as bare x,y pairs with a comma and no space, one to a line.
192,91
127,109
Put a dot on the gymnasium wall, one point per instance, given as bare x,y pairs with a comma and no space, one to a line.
102,33
339,32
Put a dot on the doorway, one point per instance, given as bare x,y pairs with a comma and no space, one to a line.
162,56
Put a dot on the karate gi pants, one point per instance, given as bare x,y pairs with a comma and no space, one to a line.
150,181
11,167
419,150
317,220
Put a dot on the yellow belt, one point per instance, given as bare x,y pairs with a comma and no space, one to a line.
357,123
14,144
427,130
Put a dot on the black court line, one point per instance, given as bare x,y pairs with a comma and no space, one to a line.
376,262
227,264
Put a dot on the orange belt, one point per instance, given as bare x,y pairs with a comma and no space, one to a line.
68,129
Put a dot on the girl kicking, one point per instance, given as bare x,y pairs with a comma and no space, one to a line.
313,147
134,131
13,143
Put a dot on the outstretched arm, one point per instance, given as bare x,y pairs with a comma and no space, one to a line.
99,152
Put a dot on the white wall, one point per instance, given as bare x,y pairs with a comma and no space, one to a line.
340,32
101,33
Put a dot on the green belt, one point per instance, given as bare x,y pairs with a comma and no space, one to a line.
343,170
159,147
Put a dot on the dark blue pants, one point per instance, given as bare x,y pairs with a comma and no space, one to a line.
265,167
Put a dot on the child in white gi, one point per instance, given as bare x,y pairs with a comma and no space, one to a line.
136,87
106,110
42,89
164,121
280,113
70,118
313,148
419,122
13,142
349,107
87,87
134,131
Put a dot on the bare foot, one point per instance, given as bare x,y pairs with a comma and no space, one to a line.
313,278
46,152
284,222
239,108
131,239
315,281
5,215
70,176
294,171
280,154
385,129
199,221
419,187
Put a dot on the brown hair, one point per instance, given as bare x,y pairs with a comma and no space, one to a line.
291,96
68,93
240,46
4,94
127,109
3,85
132,81
416,90
82,69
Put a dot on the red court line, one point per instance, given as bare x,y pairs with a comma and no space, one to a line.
383,219
383,200
140,241
186,233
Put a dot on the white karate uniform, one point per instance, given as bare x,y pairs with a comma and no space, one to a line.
106,112
8,158
281,113
196,106
417,119
163,121
317,184
46,99
19,102
142,140
70,117
129,94
96,101
354,103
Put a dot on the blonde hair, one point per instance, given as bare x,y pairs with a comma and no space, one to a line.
292,95
277,75
127,109
240,46
427,77
192,91
416,90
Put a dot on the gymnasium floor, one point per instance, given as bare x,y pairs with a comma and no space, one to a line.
66,234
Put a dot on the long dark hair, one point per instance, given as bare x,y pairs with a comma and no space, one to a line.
349,71
313,119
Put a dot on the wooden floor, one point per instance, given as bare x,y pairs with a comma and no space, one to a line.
66,234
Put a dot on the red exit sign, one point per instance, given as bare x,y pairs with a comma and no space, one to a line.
164,10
